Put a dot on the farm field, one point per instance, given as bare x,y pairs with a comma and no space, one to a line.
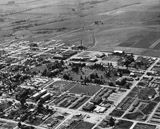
142,40
101,25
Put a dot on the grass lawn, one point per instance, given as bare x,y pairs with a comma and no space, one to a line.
5,104
134,116
61,85
117,113
145,93
84,54
80,125
123,124
85,89
84,125
148,109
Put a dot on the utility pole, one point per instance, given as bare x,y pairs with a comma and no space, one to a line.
94,39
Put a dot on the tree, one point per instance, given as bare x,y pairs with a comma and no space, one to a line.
96,75
62,62
108,74
81,78
92,76
127,86
120,74
110,83
40,107
44,72
66,77
19,124
111,121
75,69
23,101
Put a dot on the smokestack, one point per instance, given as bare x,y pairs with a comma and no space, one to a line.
81,43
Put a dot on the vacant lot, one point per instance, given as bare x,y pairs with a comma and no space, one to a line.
144,126
80,125
122,124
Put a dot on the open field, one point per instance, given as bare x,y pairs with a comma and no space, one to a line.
123,125
122,24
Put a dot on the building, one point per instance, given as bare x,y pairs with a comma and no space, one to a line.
39,94
100,109
45,97
89,107
121,81
68,54
96,100
79,58
93,59
118,52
